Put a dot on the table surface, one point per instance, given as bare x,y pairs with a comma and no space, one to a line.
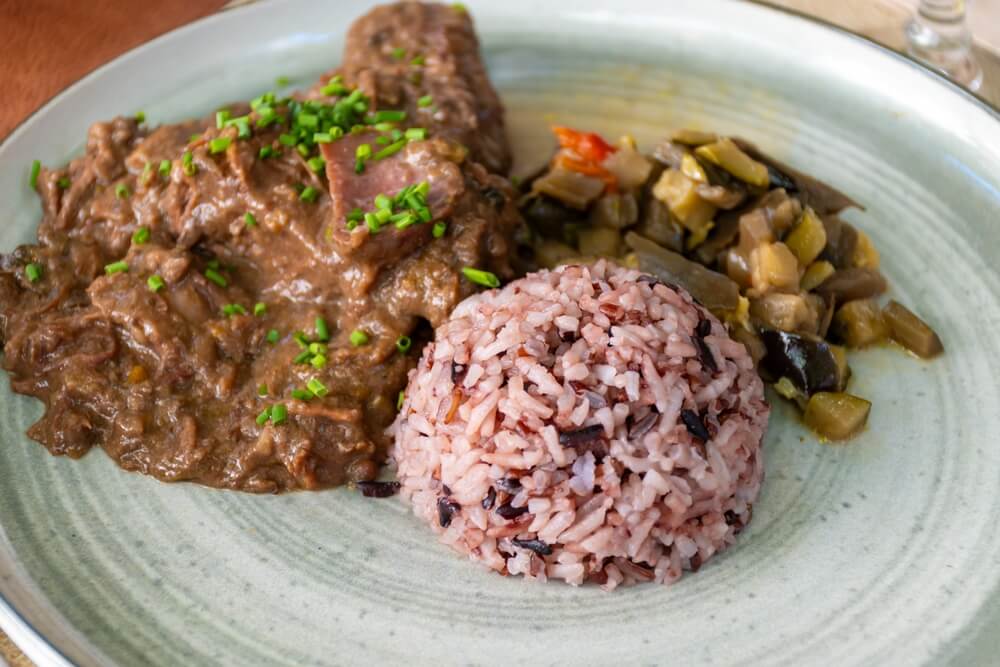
68,40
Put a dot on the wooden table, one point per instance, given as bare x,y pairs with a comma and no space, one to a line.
60,42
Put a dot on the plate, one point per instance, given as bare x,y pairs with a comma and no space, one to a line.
883,550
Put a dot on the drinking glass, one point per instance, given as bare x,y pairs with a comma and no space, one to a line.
939,36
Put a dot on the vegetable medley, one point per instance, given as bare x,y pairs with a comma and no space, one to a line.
755,241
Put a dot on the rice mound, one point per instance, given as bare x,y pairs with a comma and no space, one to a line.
587,424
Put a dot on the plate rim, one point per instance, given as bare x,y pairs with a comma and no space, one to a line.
22,632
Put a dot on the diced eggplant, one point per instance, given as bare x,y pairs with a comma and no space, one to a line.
859,323
724,197
836,415
572,188
727,228
774,267
715,291
823,198
816,274
693,137
669,154
911,332
630,167
841,239
600,242
726,154
851,284
615,210
808,238
806,360
787,312
678,192
547,216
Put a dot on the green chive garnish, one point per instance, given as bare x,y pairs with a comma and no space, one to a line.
36,168
322,330
390,150
263,417
439,229
259,309
221,116
399,53
265,152
187,163
425,101
400,399
279,414
417,60
122,191
141,236
231,309
33,272
273,336
318,361
262,390
322,137
359,338
64,182
165,168
309,194
116,267
416,134
317,388
316,163
287,139
403,344
140,116
302,357
480,277
216,277
281,81
300,338
219,144
390,116
301,394
250,219
155,283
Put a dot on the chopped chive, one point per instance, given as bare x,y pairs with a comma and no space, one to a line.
424,213
250,219
302,394
309,194
263,417
425,101
396,134
480,277
333,88
144,178
262,390
400,399
165,168
322,137
140,116
390,115
407,220
221,116
356,215
216,277
403,344
391,149
155,283
214,264
231,309
33,272
322,330
302,357
122,191
381,201
439,229
363,151
281,81
383,215
318,361
64,182
242,125
219,144
279,414
399,53
36,168
141,235
317,387
382,141
273,336
287,139
116,267
416,134
383,127
417,60
308,120
351,226
359,338
300,338
372,222
316,164
317,348
187,162
259,309
193,138
423,188
265,152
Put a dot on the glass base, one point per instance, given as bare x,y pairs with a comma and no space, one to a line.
945,49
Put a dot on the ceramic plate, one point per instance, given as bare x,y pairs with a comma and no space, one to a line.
881,551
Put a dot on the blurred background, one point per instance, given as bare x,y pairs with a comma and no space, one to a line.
52,43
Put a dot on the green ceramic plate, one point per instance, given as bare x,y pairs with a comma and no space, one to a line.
881,551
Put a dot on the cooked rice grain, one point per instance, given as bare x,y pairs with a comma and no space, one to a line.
585,425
